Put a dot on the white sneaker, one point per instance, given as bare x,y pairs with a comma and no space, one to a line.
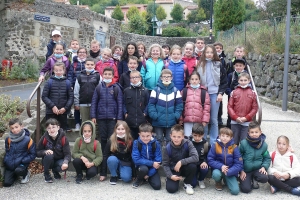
188,188
77,127
201,184
26,179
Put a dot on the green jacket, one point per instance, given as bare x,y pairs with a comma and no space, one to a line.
254,159
87,149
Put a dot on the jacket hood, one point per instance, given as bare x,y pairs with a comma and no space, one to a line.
26,132
93,129
231,142
288,153
161,85
64,58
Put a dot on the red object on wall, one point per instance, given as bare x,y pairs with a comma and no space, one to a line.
6,68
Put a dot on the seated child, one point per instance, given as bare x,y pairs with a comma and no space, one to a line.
54,148
284,172
225,160
202,148
254,151
146,155
19,152
179,159
86,152
117,155
125,77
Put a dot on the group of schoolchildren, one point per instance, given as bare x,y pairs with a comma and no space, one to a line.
172,92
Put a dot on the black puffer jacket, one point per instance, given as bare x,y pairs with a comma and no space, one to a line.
125,79
57,92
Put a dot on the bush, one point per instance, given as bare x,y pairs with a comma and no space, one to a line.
27,70
177,32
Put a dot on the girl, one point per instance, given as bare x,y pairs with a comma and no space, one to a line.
242,107
130,50
284,172
154,66
58,95
189,58
213,77
178,67
117,52
142,52
58,56
117,155
54,148
107,61
87,152
194,110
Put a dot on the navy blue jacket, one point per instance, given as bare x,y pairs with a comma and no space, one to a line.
50,47
123,67
74,72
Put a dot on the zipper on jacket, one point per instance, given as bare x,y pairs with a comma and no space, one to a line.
136,104
225,155
147,151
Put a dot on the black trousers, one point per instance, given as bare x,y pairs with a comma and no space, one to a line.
79,166
154,180
106,129
287,185
10,176
50,163
62,119
246,185
188,171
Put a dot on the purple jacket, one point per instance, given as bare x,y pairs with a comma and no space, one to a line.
48,67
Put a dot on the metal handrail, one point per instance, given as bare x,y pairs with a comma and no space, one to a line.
259,113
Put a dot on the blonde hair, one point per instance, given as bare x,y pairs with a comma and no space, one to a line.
226,131
239,47
175,47
74,40
285,138
108,50
113,137
162,54
95,42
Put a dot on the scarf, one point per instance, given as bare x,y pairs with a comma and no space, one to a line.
94,55
17,137
256,143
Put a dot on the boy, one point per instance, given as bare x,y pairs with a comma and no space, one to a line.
179,159
165,106
107,106
202,147
136,99
56,38
146,156
238,53
199,47
85,85
19,152
225,160
133,64
254,151
72,52
95,50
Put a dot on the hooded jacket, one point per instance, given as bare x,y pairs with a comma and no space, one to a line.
109,63
191,63
87,149
151,73
178,72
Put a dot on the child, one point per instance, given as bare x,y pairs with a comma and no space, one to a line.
194,111
225,160
200,45
239,53
85,86
54,148
86,152
117,53
179,159
72,52
165,106
178,67
56,38
166,48
125,77
213,77
202,148
189,59
146,156
154,65
107,61
58,56
136,99
19,152
107,105
130,50
117,155
254,151
58,95
242,107
95,50
284,172
142,52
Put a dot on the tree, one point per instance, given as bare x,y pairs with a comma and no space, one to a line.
150,9
161,13
117,13
177,13
196,16
205,5
228,13
132,11
138,24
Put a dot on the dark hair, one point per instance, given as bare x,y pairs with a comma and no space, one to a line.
52,121
198,129
113,49
80,48
177,128
194,73
59,43
218,44
125,52
90,59
200,38
203,61
253,124
109,69
14,121
226,131
166,46
145,127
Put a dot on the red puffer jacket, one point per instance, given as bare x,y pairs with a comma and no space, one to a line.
193,111
242,103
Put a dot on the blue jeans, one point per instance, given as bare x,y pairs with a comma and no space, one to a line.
231,181
114,165
160,134
200,175
214,109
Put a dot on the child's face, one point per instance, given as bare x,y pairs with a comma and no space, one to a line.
239,53
209,53
145,137
106,55
132,64
118,51
107,75
197,137
95,48
200,44
87,131
255,132
194,80
15,128
166,77
130,50
155,52
52,129
89,65
59,71
177,137
166,51
74,45
82,54
225,138
59,49
176,55
243,81
188,50
56,38
120,130
219,49
239,67
135,78
282,145
141,49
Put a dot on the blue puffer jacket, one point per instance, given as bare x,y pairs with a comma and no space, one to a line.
228,155
178,72
146,156
17,153
105,105
165,109
151,73
75,69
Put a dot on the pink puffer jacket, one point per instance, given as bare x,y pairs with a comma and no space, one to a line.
193,111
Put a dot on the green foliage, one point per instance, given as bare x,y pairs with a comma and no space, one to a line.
117,13
98,8
28,1
138,24
150,10
161,13
205,5
177,13
196,16
132,11
177,31
27,70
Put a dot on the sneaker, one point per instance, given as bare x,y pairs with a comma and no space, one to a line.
79,178
296,191
77,127
273,189
219,186
48,178
113,180
137,183
26,179
188,188
201,184
255,184
56,175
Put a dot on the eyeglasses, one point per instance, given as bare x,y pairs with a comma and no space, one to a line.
81,52
135,77
166,77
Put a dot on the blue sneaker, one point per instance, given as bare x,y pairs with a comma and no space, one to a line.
296,191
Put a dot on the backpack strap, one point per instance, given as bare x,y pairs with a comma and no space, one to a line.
291,159
95,145
44,141
205,147
203,95
153,145
50,83
8,142
80,143
139,146
157,92
273,156
29,143
63,141
75,66
184,95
